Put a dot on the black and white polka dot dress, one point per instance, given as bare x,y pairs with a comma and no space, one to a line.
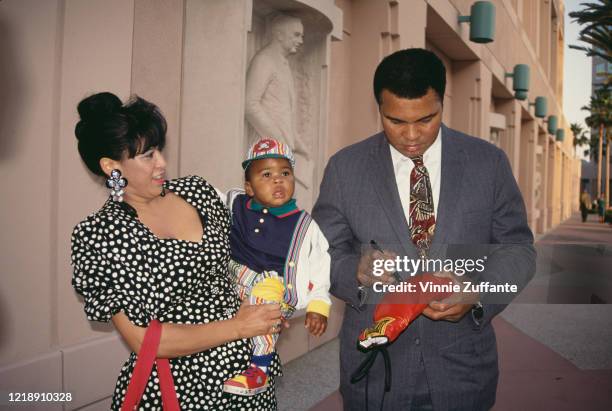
120,265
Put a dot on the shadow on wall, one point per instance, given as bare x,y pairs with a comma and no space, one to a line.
6,325
11,91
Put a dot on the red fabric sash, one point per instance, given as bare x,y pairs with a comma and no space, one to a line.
142,371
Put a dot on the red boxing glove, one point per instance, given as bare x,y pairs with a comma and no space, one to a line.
398,309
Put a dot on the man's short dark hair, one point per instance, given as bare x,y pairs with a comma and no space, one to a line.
410,73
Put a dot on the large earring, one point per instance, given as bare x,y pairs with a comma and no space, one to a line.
116,183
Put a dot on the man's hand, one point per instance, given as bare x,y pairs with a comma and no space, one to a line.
315,323
446,312
452,308
365,268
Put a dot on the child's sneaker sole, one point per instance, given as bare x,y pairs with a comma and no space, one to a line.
246,392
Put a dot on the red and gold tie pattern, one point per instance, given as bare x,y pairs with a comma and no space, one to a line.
422,219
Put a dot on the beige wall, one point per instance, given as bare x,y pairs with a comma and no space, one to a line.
28,138
61,51
57,69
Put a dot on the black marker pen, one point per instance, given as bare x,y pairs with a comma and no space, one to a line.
376,247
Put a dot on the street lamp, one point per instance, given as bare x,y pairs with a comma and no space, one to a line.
552,124
560,135
540,106
482,22
520,81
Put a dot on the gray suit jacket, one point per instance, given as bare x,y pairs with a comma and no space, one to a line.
479,203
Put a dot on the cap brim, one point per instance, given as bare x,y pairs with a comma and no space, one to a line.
246,163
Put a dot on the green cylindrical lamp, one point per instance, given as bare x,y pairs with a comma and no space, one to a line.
560,135
520,77
541,108
520,81
552,124
520,95
482,22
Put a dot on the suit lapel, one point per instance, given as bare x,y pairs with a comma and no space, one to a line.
452,164
382,178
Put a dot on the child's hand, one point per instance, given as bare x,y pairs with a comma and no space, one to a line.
316,323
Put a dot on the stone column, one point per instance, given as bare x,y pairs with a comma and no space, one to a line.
214,69
550,181
556,200
527,165
544,189
511,108
472,84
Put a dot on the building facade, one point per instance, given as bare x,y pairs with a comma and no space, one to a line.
190,57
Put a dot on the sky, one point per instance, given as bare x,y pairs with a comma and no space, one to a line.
577,70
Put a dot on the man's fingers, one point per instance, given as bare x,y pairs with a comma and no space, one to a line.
447,312
368,280
387,278
365,268
440,306
377,255
438,315
365,279
444,274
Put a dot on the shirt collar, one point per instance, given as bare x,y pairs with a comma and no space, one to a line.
285,210
430,154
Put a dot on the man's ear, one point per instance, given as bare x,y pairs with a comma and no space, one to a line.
248,189
108,164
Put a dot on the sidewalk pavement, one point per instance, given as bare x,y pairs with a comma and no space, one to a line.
555,341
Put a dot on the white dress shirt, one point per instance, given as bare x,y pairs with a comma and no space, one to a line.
402,167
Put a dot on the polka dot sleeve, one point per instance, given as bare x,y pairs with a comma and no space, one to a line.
94,278
214,205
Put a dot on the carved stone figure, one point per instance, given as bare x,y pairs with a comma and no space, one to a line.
270,105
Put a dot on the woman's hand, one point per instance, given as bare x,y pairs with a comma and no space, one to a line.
261,319
178,340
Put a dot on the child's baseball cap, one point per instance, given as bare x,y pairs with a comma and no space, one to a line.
268,148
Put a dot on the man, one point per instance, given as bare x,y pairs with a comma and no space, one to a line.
462,192
585,204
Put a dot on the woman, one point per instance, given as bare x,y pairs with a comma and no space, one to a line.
158,249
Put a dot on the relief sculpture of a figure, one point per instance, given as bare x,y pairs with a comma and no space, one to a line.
270,105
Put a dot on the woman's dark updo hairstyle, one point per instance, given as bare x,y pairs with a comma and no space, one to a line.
111,129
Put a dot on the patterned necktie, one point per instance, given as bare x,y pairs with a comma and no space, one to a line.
422,218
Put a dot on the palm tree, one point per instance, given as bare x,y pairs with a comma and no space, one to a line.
596,19
580,137
600,108
591,150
